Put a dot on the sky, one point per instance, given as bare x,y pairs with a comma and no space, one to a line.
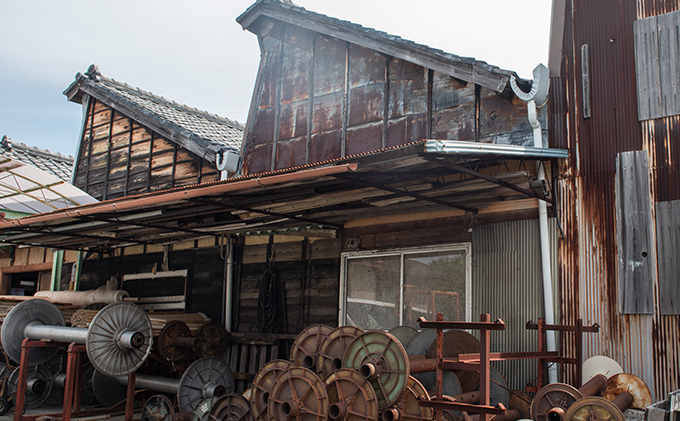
194,52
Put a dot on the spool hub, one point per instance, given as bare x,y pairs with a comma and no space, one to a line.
204,378
211,340
231,407
305,349
166,337
350,396
108,328
408,408
555,395
298,393
262,387
593,408
380,357
157,408
29,312
334,346
38,385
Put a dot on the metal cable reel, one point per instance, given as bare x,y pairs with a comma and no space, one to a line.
211,340
553,400
450,383
421,342
57,367
403,333
333,348
262,387
408,408
5,371
206,377
231,407
118,340
172,339
351,397
458,342
380,358
298,393
595,408
625,382
38,385
202,411
158,408
305,349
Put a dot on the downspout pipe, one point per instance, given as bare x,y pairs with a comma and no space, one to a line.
539,94
229,293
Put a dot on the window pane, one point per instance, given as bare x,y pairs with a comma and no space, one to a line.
434,283
373,292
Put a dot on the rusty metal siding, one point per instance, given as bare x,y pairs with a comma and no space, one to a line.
645,345
507,284
647,8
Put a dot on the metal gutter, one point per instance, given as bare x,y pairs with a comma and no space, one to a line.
454,147
145,201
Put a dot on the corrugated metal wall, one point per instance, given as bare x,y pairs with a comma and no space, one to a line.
507,284
644,345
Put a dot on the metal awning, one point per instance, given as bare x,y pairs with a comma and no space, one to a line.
314,200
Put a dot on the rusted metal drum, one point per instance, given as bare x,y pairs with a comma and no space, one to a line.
333,348
298,393
407,408
553,400
382,359
168,347
350,396
305,349
630,383
458,342
403,333
211,340
231,407
262,386
595,408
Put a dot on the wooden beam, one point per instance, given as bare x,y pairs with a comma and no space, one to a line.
37,267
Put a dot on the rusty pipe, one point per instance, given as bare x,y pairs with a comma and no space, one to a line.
469,397
422,365
623,400
510,415
593,386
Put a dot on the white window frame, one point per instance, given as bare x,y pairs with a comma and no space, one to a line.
455,247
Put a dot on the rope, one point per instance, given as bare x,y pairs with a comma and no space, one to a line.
266,300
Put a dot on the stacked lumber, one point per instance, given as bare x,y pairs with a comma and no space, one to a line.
9,301
82,318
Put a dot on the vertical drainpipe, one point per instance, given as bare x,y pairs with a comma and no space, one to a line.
229,293
57,263
539,94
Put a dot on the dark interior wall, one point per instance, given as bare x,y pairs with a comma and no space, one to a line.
309,280
205,283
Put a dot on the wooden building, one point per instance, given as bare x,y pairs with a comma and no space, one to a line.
381,180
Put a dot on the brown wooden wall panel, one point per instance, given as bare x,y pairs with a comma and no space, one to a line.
118,164
102,116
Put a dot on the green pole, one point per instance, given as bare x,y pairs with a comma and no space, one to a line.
78,268
57,263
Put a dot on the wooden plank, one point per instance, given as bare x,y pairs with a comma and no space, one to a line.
27,268
633,239
668,25
647,68
668,244
156,275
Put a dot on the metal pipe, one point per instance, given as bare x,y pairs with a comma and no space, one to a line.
155,383
593,386
65,334
510,415
623,400
229,296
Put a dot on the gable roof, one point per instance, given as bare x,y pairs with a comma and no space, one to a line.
54,163
464,68
200,132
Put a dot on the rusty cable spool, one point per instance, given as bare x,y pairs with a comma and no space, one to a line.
458,342
555,399
231,407
211,340
305,349
403,333
202,411
158,408
498,393
624,382
382,359
408,408
172,341
262,386
333,348
298,393
350,396
595,408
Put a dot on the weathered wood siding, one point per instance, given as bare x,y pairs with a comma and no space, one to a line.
319,98
119,157
310,281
